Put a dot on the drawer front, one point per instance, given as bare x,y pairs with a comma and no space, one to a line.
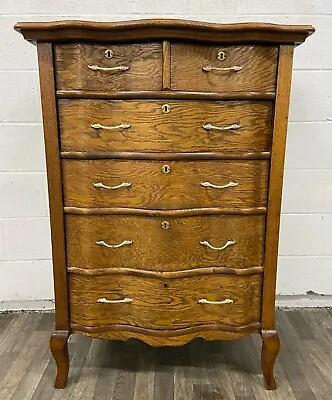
226,68
165,184
164,303
90,125
164,243
130,67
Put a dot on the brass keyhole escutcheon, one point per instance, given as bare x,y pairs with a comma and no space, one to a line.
165,225
108,53
166,169
165,108
221,55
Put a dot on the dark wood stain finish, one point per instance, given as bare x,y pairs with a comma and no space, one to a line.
178,246
144,63
181,129
152,188
152,249
258,65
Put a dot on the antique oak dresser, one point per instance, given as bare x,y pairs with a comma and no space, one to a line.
165,146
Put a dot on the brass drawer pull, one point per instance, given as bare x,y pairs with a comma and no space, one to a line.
101,185
125,300
236,68
120,126
232,127
205,301
207,244
97,68
209,184
114,246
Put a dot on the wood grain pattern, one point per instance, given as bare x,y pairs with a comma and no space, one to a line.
184,212
152,130
175,95
157,304
178,247
46,76
134,155
275,186
152,188
167,274
166,65
144,62
150,29
259,65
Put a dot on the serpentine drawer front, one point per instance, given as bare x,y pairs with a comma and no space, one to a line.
165,146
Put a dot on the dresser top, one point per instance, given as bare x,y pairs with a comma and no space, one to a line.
153,29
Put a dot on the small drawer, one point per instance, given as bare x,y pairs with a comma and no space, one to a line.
165,125
108,67
164,243
158,303
165,184
202,68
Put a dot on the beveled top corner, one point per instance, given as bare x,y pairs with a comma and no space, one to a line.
157,29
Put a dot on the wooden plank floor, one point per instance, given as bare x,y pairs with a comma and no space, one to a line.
102,369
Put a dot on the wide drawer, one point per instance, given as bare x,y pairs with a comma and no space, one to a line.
165,184
108,67
164,243
170,125
197,67
159,303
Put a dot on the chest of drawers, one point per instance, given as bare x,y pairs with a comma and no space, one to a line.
165,147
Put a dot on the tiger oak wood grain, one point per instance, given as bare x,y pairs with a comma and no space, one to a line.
170,249
152,130
152,188
165,269
258,68
165,304
143,59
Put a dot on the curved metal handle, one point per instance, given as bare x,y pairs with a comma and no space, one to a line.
97,68
235,68
125,300
206,301
110,127
114,246
101,185
209,184
232,127
207,244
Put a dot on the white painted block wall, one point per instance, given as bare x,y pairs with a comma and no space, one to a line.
305,256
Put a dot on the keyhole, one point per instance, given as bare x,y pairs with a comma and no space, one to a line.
221,55
165,285
108,53
166,108
165,225
166,169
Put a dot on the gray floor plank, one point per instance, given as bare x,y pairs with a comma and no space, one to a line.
200,370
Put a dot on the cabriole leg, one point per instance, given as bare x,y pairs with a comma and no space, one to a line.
59,349
270,350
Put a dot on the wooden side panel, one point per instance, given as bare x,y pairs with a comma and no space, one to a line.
158,249
254,68
46,74
276,180
153,188
165,303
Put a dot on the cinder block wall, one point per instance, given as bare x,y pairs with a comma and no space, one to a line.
305,262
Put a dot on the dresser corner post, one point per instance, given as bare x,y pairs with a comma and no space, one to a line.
270,339
59,338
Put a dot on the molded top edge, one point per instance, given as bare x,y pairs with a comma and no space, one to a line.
150,29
